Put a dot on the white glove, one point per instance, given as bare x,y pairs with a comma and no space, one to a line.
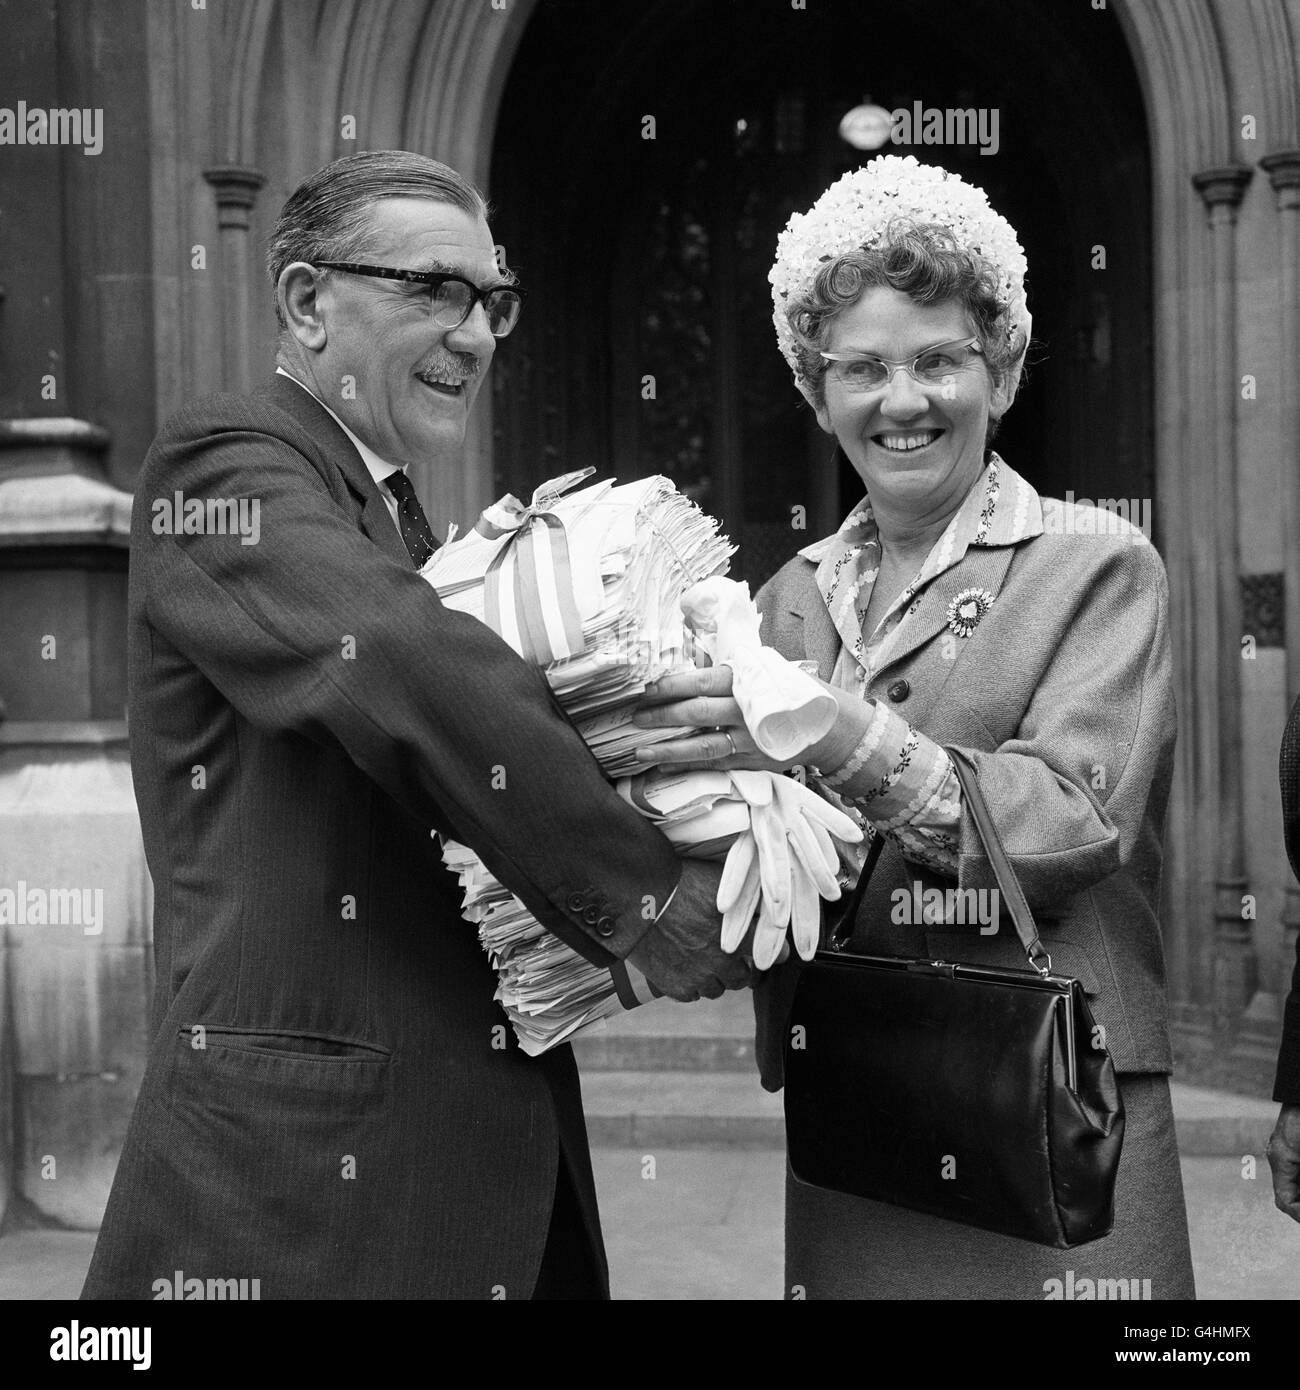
785,711
757,873
810,823
784,864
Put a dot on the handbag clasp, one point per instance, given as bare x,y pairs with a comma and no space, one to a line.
934,967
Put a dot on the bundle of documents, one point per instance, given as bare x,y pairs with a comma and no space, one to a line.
587,584
591,585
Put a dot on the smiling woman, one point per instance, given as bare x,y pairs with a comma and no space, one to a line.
958,609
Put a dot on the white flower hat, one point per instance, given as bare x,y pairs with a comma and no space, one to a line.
854,213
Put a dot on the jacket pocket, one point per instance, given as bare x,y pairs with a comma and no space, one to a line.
287,1046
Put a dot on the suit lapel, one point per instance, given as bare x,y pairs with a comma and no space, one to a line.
376,519
377,522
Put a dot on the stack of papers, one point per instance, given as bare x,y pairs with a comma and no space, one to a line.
588,585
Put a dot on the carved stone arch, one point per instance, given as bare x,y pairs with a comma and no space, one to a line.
458,80
375,71
1183,73
426,77
1276,58
246,28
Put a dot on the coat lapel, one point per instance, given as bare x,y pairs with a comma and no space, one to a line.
979,568
821,642
376,519
994,521
377,523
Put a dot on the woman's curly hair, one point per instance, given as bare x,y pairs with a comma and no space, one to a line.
922,261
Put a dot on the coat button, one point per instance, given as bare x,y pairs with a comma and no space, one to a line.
899,691
590,915
576,902
605,927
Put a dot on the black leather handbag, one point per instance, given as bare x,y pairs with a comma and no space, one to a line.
974,1093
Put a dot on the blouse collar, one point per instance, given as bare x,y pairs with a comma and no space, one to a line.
999,509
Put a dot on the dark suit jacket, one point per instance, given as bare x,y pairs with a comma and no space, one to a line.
1063,698
1286,1088
333,1102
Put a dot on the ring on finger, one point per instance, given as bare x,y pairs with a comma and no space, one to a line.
731,743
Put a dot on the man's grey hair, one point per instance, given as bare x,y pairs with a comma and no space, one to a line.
327,217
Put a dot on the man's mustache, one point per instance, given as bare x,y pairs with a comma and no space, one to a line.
453,364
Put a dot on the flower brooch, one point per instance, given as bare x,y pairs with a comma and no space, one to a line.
966,610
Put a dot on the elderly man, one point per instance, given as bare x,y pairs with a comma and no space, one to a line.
332,1105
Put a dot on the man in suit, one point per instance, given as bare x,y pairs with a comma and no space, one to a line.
333,1104
1284,1142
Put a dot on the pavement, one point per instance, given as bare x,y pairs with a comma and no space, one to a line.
709,1226
689,1159
704,1223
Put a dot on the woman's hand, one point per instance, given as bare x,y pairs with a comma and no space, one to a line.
702,699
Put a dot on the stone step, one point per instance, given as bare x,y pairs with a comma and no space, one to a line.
681,1109
1214,1123
650,1053
713,1035
677,1109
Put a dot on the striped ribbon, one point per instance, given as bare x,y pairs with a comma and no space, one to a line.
528,589
636,786
528,592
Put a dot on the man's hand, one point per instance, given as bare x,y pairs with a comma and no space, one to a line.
682,954
1284,1160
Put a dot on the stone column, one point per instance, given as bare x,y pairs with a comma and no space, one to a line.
1235,966
1283,169
236,189
74,890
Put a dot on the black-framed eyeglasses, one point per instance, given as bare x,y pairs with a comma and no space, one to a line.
930,367
452,298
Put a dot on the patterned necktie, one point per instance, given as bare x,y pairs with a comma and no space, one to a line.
416,531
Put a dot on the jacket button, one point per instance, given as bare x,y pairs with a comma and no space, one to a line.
576,902
605,927
590,915
899,691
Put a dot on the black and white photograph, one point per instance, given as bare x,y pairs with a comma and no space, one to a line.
650,652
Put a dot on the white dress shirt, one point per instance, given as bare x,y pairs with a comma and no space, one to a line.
377,467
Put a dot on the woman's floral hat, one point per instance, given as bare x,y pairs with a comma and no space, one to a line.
854,213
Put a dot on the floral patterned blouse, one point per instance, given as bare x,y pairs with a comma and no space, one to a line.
902,782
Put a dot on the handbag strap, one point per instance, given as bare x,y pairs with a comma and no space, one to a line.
838,936
1008,884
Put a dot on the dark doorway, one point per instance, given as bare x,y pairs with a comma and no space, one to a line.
647,344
